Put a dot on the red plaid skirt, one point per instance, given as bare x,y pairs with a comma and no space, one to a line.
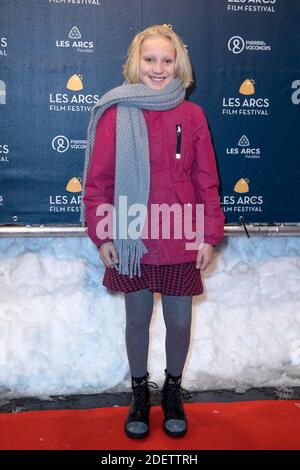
168,279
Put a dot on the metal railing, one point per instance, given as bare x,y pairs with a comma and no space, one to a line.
280,229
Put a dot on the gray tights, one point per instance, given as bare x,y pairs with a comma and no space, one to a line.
177,311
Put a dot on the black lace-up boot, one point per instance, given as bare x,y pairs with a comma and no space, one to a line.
137,421
175,422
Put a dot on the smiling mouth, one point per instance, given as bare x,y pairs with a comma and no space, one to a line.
157,79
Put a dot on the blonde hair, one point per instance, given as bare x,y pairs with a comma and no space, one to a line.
183,67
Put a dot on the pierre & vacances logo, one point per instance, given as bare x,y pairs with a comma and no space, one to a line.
61,143
72,102
237,44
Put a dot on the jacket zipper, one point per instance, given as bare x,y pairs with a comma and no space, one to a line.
178,141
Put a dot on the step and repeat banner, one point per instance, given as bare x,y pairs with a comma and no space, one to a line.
57,57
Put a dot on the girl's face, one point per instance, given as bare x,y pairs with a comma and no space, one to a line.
157,62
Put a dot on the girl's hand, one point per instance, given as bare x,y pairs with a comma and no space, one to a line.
108,254
204,257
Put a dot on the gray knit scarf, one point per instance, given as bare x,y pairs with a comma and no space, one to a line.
132,174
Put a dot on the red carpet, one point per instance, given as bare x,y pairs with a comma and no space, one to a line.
243,425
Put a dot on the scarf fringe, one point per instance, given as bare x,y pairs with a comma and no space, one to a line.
130,253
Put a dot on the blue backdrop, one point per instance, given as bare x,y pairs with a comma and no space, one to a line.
58,56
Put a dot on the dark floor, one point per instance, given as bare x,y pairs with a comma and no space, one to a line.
104,400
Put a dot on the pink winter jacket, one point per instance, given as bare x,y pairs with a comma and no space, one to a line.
190,179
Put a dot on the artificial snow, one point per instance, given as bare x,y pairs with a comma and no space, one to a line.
62,331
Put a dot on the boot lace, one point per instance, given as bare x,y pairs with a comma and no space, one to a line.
141,393
175,394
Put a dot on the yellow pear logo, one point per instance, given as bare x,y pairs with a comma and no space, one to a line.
242,186
75,82
74,185
247,87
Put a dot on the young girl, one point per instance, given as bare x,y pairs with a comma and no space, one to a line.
147,145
